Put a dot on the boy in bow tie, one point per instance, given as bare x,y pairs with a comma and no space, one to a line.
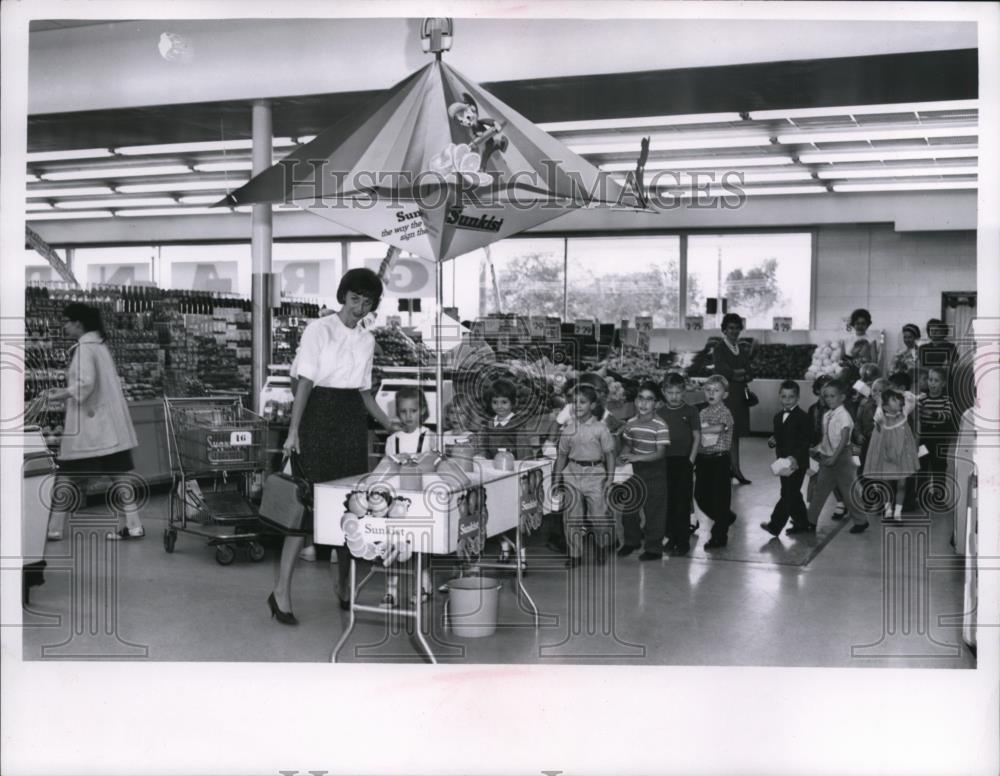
791,439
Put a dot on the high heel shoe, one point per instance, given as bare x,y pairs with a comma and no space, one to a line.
285,618
741,479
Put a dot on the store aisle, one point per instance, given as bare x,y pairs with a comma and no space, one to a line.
679,611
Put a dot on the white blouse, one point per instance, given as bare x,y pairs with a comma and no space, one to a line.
334,356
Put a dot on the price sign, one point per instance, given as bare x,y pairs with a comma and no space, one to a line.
644,323
781,324
394,320
240,438
584,327
536,325
694,323
553,331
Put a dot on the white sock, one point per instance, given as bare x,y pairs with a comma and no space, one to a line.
898,511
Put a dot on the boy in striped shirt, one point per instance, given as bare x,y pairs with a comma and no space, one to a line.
644,444
936,429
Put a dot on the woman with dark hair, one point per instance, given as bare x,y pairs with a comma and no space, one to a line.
328,432
98,436
733,362
860,346
907,357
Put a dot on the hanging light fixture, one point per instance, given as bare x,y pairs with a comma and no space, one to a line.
435,35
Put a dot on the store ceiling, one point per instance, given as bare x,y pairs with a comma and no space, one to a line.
790,127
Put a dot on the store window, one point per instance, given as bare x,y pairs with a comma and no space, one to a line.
762,277
529,276
619,278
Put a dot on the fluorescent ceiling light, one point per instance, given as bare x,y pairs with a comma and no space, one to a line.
284,142
84,204
200,199
716,191
29,178
303,139
896,172
865,110
148,188
639,121
861,134
664,181
55,216
663,143
79,153
38,206
80,191
243,209
185,148
785,190
924,152
223,166
901,186
719,162
98,173
171,211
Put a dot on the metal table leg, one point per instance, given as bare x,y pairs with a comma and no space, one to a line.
520,574
419,613
351,617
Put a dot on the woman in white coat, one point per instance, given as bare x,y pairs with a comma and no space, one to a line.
98,435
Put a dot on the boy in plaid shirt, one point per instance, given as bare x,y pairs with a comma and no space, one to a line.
713,488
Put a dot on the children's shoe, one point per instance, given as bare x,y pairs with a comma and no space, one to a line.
647,555
808,528
626,550
716,543
840,514
771,529
860,528
308,554
126,533
678,550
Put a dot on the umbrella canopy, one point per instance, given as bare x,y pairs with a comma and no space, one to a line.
436,166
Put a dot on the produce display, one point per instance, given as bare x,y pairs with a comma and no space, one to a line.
825,361
634,364
782,362
394,348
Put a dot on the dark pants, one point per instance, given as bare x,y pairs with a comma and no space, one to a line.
790,503
713,492
934,471
653,506
680,478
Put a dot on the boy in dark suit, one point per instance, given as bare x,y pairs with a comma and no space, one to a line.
792,438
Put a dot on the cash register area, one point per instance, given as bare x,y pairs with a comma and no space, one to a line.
891,597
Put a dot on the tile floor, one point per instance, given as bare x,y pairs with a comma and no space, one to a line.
890,597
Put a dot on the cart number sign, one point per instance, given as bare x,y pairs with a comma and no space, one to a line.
241,438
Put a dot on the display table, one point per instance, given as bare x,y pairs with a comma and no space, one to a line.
441,519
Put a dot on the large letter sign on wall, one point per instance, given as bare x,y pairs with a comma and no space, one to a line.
118,274
300,278
205,275
410,277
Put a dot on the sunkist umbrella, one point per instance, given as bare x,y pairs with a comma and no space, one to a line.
436,166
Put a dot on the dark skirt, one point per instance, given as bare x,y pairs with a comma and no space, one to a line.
333,436
736,401
113,463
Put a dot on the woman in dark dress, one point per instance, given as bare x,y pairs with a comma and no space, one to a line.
328,432
733,362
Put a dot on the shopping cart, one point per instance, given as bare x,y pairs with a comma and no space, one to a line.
218,456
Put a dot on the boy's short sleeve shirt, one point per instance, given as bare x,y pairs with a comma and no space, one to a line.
681,422
587,441
718,415
834,423
646,436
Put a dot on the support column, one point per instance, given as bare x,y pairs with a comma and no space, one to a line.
260,247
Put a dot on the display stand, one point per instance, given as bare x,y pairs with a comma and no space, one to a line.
435,525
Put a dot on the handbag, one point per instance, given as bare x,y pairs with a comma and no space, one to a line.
286,501
751,397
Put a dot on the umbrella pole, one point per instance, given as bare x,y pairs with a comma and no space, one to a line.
438,370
